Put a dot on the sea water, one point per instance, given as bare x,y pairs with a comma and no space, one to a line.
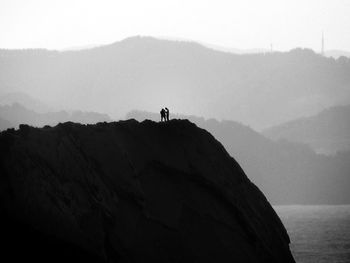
318,234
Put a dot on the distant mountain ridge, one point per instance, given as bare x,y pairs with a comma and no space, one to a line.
26,101
327,132
337,53
260,90
15,114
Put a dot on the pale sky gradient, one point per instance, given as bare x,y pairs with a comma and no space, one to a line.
238,24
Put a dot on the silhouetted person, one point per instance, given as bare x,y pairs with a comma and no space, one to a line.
162,115
166,114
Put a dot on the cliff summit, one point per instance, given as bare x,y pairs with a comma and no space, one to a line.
131,191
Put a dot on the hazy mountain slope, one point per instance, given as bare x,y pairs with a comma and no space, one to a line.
134,192
17,114
143,72
287,173
326,132
5,124
25,100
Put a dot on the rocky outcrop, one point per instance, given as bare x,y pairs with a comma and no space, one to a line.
131,192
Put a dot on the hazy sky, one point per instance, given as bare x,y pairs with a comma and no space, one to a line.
240,24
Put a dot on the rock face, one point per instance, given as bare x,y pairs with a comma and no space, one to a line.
131,192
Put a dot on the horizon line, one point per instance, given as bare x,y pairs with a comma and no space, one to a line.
216,47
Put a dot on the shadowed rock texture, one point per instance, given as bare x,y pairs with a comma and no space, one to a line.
131,192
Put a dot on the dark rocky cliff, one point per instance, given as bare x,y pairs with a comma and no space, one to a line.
131,192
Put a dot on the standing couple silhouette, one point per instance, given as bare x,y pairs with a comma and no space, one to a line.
164,114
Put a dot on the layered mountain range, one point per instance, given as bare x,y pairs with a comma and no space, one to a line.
327,132
260,90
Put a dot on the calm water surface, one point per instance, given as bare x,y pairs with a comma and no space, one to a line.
318,233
